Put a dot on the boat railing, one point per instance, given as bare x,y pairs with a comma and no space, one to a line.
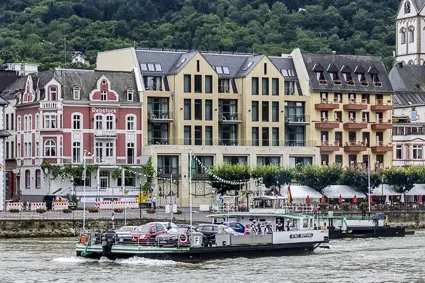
285,209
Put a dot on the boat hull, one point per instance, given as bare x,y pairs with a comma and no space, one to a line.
196,254
367,232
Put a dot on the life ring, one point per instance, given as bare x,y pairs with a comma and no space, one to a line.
185,239
83,239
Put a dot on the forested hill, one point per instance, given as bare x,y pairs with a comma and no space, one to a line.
37,30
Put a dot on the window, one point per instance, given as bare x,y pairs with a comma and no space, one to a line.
417,151
76,152
338,139
235,159
255,88
265,136
19,124
37,121
255,136
275,136
7,150
18,150
325,159
399,152
130,94
27,179
295,111
130,123
223,85
208,135
151,67
50,148
168,164
265,86
99,151
254,110
208,84
198,66
12,121
38,179
37,149
110,122
187,135
187,83
295,136
407,7
76,121
268,160
109,148
411,34
130,153
265,111
53,94
208,110
129,180
104,179
198,83
265,68
275,86
7,121
50,122
198,135
198,109
338,159
227,135
152,83
187,109
25,122
98,122
76,92
207,161
275,111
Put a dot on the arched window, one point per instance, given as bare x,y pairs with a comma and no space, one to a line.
98,122
76,92
403,36
110,122
37,121
76,121
410,62
29,123
38,179
25,122
50,148
131,123
27,179
18,128
411,34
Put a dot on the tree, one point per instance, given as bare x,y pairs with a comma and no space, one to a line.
358,179
149,172
229,173
318,177
403,179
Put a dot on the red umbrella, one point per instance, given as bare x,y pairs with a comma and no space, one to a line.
323,201
340,199
420,198
355,199
307,199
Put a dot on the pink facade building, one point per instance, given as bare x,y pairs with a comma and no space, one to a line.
60,115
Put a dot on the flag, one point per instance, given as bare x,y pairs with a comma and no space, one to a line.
84,167
290,200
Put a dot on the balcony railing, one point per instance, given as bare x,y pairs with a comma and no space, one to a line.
167,170
160,116
230,142
355,125
52,105
105,133
353,105
381,105
326,105
297,119
327,146
230,117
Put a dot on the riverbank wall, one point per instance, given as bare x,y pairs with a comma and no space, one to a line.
28,228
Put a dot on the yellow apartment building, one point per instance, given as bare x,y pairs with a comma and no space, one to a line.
351,107
223,107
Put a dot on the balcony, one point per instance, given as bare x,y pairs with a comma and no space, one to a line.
50,105
160,141
105,133
230,118
380,105
326,106
330,147
297,119
353,105
326,124
168,170
160,116
381,148
353,125
380,125
352,146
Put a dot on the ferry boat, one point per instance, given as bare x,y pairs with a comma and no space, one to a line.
301,235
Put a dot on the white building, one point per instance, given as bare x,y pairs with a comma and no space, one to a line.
3,134
23,69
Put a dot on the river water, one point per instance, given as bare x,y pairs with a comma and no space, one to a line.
358,260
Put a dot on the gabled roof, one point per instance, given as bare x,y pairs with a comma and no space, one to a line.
408,82
357,63
359,70
286,66
7,78
346,69
332,68
233,62
373,70
418,4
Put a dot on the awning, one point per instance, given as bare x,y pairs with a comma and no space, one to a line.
345,191
301,192
385,190
418,189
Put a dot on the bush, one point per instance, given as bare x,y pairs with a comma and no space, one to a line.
93,209
41,210
118,210
67,210
14,210
179,212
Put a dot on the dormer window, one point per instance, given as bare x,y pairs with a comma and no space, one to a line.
360,71
319,70
333,71
324,97
346,73
130,94
103,95
76,92
374,74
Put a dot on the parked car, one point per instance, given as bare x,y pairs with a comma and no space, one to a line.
209,231
174,237
238,227
147,233
124,234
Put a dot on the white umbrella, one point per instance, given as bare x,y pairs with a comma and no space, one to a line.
402,198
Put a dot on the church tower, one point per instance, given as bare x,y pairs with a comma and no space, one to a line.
410,32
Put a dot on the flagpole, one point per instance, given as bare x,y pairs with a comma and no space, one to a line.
190,189
84,190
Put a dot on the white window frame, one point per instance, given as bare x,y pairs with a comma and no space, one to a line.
98,121
130,94
18,150
37,121
130,145
77,119
110,122
49,120
130,123
49,146
76,92
29,127
109,149
397,148
99,151
27,179
103,95
18,128
37,149
418,149
76,152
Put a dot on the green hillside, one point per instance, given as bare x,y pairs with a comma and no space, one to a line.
41,30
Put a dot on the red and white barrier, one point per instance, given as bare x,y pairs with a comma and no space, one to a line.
118,204
38,205
60,205
14,205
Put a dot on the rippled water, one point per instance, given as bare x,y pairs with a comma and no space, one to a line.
359,260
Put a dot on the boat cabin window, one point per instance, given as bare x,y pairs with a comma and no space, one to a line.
305,223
